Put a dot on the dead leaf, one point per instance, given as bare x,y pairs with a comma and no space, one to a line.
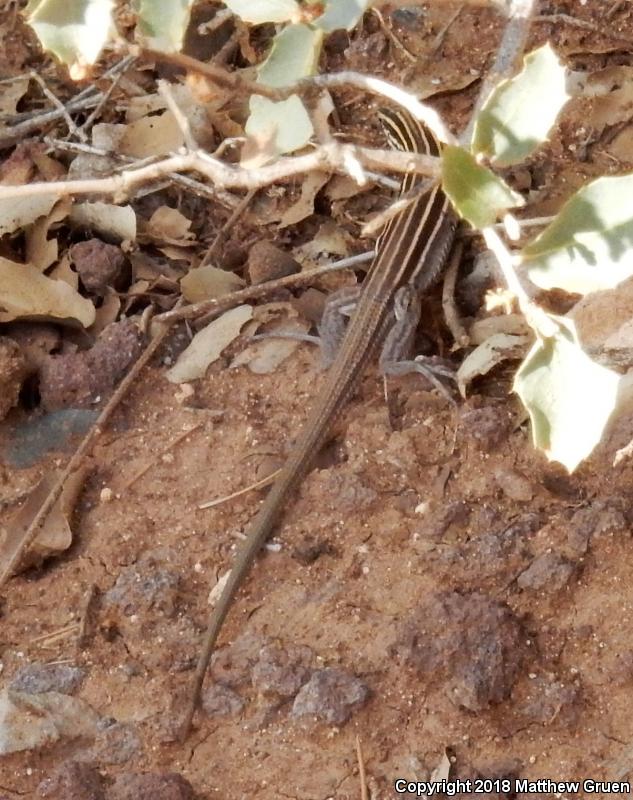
25,292
499,347
207,345
16,212
330,240
263,357
55,535
64,272
442,770
483,329
105,218
204,283
304,206
41,251
107,312
170,226
11,93
157,135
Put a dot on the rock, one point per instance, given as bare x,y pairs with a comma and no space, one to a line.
472,644
117,743
514,485
548,572
78,380
331,695
220,701
267,262
487,427
37,678
13,370
100,265
72,780
33,721
281,671
150,786
549,700
146,588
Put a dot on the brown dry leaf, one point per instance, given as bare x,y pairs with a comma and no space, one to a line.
207,345
342,187
105,218
330,240
25,292
107,312
55,535
64,272
11,94
41,251
158,135
483,329
265,356
170,226
304,206
612,91
622,146
146,267
497,348
204,283
442,80
16,212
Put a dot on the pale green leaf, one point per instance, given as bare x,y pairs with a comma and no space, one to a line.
260,11
286,122
294,55
589,246
163,22
520,112
74,31
478,195
568,396
342,14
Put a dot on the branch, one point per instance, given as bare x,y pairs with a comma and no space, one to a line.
334,156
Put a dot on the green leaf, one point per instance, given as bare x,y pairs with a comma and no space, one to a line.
568,396
164,22
588,246
287,121
478,194
294,55
260,11
342,14
74,31
520,112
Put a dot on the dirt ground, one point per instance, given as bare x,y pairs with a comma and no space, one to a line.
442,589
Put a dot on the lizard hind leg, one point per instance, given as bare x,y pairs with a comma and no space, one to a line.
395,355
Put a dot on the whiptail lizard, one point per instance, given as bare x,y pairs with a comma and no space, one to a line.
410,254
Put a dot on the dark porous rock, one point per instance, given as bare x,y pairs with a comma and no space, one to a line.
13,370
549,572
331,695
72,780
36,678
472,644
147,587
549,699
487,427
150,786
81,379
282,671
220,701
100,265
